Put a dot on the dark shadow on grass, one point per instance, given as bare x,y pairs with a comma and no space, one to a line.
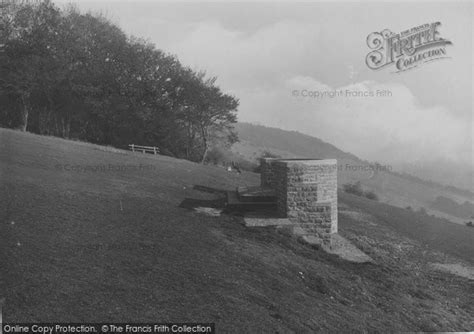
192,203
251,212
220,203
209,190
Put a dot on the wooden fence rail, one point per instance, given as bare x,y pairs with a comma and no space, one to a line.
144,149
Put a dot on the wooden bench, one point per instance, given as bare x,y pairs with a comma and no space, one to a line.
144,149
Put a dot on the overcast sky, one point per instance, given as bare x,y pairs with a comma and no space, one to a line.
263,52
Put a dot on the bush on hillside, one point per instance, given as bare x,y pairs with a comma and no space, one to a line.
371,195
269,154
356,189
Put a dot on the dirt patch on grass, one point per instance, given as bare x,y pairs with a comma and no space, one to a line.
208,211
455,269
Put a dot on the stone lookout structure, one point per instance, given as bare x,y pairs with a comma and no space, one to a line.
306,192
303,191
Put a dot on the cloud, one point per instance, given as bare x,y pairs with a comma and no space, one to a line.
250,59
375,121
381,121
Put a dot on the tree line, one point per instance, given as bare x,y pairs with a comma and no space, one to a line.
77,75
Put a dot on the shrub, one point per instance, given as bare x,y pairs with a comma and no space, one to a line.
371,195
355,188
269,154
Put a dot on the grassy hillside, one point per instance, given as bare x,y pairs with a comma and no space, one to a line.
453,239
290,141
89,233
392,188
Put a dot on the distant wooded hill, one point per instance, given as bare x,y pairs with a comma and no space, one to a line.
399,189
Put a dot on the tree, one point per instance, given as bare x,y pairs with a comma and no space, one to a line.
205,113
215,116
69,74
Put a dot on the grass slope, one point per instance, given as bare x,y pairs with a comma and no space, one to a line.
116,246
